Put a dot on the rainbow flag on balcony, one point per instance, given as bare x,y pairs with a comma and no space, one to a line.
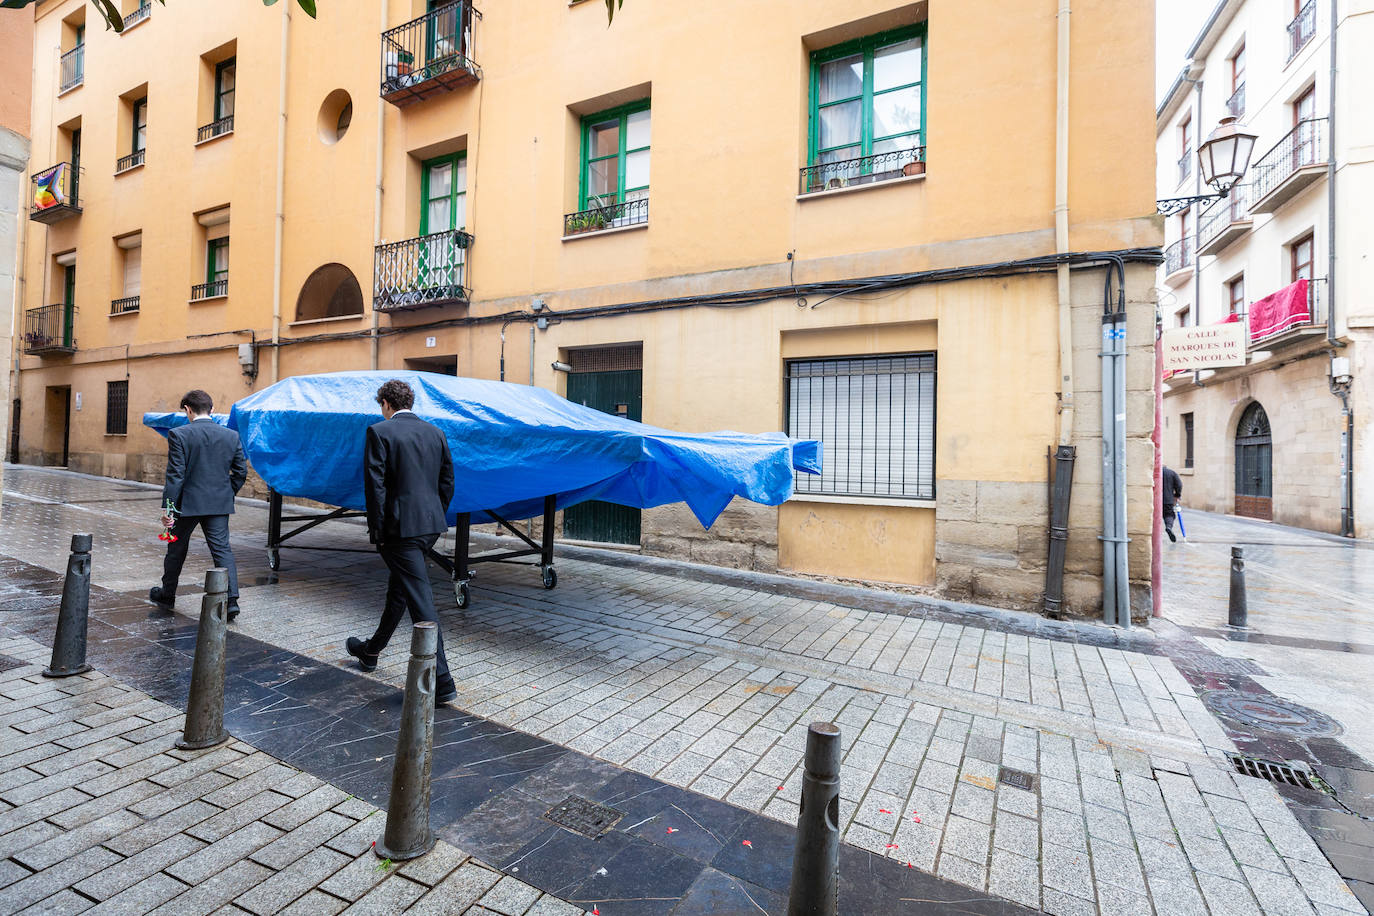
50,187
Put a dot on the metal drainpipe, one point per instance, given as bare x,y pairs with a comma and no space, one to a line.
1116,607
281,194
1348,434
377,207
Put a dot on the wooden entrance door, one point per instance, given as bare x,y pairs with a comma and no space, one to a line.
1254,465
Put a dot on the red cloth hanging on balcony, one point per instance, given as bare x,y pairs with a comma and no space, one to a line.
1277,312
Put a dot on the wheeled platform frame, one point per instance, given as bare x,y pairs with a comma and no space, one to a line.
459,567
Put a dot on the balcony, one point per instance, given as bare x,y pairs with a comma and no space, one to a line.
144,10
50,329
1235,105
131,161
1178,261
423,272
125,306
832,176
1224,222
215,289
1286,323
55,194
215,129
429,55
602,217
1294,163
73,69
1302,28
1185,166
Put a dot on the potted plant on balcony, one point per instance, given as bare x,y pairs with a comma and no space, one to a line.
915,166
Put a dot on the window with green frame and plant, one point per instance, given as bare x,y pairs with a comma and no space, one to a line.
613,183
443,217
217,267
868,110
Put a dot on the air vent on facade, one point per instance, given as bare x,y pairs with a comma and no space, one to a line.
607,359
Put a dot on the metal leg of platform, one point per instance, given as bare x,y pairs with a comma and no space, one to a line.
273,530
547,572
461,547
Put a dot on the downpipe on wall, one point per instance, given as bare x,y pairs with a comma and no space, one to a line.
1116,583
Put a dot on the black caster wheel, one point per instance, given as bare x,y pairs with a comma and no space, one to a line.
550,577
463,594
273,559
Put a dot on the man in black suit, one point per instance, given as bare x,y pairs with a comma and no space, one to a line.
205,470
1173,490
409,483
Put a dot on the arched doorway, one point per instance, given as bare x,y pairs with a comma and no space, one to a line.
1254,465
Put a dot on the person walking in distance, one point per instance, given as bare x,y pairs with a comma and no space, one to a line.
408,481
1173,489
205,470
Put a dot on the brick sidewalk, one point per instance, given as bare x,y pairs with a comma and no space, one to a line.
100,813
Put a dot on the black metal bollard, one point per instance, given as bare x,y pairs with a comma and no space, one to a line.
69,645
816,861
407,834
1237,610
205,704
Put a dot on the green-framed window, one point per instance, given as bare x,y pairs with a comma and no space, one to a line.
615,156
140,125
444,193
217,260
226,72
868,96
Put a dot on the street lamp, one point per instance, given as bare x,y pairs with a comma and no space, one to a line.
1222,160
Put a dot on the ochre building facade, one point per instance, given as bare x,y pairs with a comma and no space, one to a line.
835,220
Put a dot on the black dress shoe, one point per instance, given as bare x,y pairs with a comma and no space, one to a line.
157,596
445,692
358,649
232,612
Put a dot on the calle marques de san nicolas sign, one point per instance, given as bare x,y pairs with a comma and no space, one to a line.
1212,346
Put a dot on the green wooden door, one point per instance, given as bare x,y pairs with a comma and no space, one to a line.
618,393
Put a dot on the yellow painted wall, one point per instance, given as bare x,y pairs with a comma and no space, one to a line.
878,543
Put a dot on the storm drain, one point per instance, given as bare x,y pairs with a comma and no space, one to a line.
1281,773
1017,779
8,663
583,816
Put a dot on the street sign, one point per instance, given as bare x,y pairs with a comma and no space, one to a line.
1211,346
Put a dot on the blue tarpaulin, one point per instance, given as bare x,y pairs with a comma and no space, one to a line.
512,445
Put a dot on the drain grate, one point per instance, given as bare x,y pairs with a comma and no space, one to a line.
8,663
1018,779
30,604
1273,771
583,816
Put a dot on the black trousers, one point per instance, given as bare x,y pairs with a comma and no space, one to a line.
1168,516
216,531
408,588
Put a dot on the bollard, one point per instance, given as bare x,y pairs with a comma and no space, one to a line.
1237,610
407,834
69,646
205,704
816,861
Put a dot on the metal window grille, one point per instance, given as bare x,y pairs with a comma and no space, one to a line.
117,408
875,418
607,359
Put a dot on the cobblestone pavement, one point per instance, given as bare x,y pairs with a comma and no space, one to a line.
100,813
708,684
1311,600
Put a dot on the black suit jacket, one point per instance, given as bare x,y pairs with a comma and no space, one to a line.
1173,486
205,468
408,479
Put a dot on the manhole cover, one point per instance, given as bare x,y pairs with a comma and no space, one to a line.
584,816
30,604
7,663
1271,714
1017,779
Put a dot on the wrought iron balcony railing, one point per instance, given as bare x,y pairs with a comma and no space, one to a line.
212,290
73,69
1302,28
1235,208
1314,318
1178,256
55,191
421,272
429,55
131,161
50,329
124,306
1304,145
1185,166
607,216
143,12
830,176
1235,105
215,129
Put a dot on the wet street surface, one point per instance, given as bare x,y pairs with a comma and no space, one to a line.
993,761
